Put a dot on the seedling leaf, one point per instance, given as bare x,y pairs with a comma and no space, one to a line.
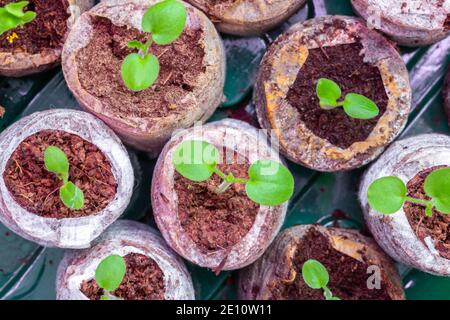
165,21
110,273
387,195
72,196
315,274
16,8
56,161
359,107
437,186
328,92
270,183
139,73
195,159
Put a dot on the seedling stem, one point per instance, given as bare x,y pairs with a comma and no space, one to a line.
269,183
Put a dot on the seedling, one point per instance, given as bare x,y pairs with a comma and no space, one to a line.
56,161
355,105
269,183
316,276
13,16
165,22
109,275
388,194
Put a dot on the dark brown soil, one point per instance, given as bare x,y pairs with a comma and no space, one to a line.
348,277
216,221
100,63
438,226
343,64
46,31
37,190
143,280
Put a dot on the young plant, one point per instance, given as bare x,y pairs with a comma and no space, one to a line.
316,276
388,194
269,183
165,22
13,16
56,161
109,275
355,105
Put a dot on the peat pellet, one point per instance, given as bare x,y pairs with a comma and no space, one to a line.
407,22
188,89
408,235
358,269
37,46
247,17
99,165
219,231
360,61
153,270
446,95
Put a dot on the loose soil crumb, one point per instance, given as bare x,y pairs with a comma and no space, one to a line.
216,221
143,280
343,64
46,31
348,276
99,64
37,190
436,227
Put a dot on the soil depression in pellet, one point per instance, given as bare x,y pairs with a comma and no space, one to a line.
438,226
143,280
216,221
99,65
343,64
36,189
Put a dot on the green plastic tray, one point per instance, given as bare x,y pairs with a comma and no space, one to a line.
27,270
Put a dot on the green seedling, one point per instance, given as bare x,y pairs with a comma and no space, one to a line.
316,276
109,275
269,183
56,161
388,194
13,16
355,105
165,22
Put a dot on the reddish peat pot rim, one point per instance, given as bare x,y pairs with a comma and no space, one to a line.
216,221
46,31
35,189
247,17
99,65
408,22
144,280
345,65
438,226
348,276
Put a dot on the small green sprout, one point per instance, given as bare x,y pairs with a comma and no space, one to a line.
269,183
355,105
109,275
316,276
56,161
12,16
165,22
388,194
